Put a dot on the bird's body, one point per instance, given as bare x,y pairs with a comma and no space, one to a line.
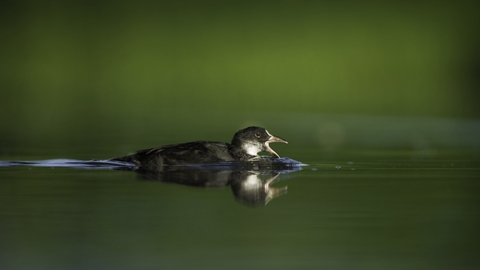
245,146
185,153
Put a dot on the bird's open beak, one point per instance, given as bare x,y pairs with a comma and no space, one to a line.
273,139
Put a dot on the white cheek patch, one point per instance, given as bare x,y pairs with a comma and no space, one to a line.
252,149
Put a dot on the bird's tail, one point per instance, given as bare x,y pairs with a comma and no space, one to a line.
129,159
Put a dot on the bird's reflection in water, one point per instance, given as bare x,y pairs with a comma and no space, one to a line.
255,191
250,181
250,185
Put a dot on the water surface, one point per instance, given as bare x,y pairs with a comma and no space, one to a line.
351,208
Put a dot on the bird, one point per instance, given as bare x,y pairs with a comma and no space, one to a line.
245,146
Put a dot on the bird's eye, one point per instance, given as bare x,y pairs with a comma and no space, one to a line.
258,134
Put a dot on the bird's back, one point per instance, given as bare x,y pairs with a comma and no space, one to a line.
200,152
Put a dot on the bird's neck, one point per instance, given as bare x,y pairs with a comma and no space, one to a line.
243,152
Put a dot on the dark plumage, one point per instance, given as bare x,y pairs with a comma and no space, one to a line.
245,146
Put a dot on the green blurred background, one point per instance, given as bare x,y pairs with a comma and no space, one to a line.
338,79
118,67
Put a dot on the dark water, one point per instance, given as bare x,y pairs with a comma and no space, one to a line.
354,208
390,210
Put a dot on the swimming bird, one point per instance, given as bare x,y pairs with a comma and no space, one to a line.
245,146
